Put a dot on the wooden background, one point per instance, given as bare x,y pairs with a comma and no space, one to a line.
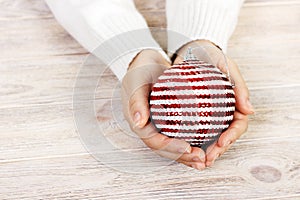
41,156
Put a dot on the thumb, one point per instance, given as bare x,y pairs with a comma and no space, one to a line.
243,103
241,90
139,106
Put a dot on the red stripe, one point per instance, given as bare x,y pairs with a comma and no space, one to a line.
198,138
198,105
194,137
199,131
173,73
190,114
189,123
191,80
202,96
207,87
192,65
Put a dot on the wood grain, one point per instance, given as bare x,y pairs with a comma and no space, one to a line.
41,154
82,177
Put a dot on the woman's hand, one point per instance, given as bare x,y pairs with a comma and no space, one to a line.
208,52
136,87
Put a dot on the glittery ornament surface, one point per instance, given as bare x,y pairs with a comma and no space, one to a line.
193,101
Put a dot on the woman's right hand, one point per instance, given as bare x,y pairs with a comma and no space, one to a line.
136,87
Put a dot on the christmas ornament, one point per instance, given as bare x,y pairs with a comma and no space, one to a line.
193,101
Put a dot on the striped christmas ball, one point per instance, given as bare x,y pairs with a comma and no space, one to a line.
193,101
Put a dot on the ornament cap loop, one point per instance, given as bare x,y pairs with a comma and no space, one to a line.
189,55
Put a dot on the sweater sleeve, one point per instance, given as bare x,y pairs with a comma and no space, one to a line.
113,30
212,20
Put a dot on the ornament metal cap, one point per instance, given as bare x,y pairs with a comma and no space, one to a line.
189,55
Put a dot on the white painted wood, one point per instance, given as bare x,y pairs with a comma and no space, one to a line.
41,155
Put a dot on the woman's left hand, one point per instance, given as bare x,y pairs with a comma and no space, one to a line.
210,53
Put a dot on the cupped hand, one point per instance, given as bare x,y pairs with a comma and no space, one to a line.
210,53
136,87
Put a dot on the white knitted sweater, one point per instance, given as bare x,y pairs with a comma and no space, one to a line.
116,32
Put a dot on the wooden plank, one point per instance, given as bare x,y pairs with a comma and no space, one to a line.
154,5
279,24
254,170
35,38
265,59
23,9
57,87
50,80
47,80
50,130
41,156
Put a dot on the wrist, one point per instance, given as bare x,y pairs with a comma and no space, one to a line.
148,56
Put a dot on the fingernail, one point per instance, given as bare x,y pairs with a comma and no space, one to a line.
184,150
181,150
137,118
196,159
188,149
201,166
198,167
217,156
202,157
225,144
209,164
250,106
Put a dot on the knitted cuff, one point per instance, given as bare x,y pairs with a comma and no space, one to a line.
212,20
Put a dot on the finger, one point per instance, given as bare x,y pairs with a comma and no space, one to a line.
169,155
180,157
235,130
139,76
210,148
215,153
159,141
241,90
136,87
139,107
196,155
198,166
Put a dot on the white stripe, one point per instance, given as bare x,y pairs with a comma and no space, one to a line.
200,142
191,92
191,101
208,109
193,118
200,69
190,134
195,141
163,77
187,83
192,70
185,127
